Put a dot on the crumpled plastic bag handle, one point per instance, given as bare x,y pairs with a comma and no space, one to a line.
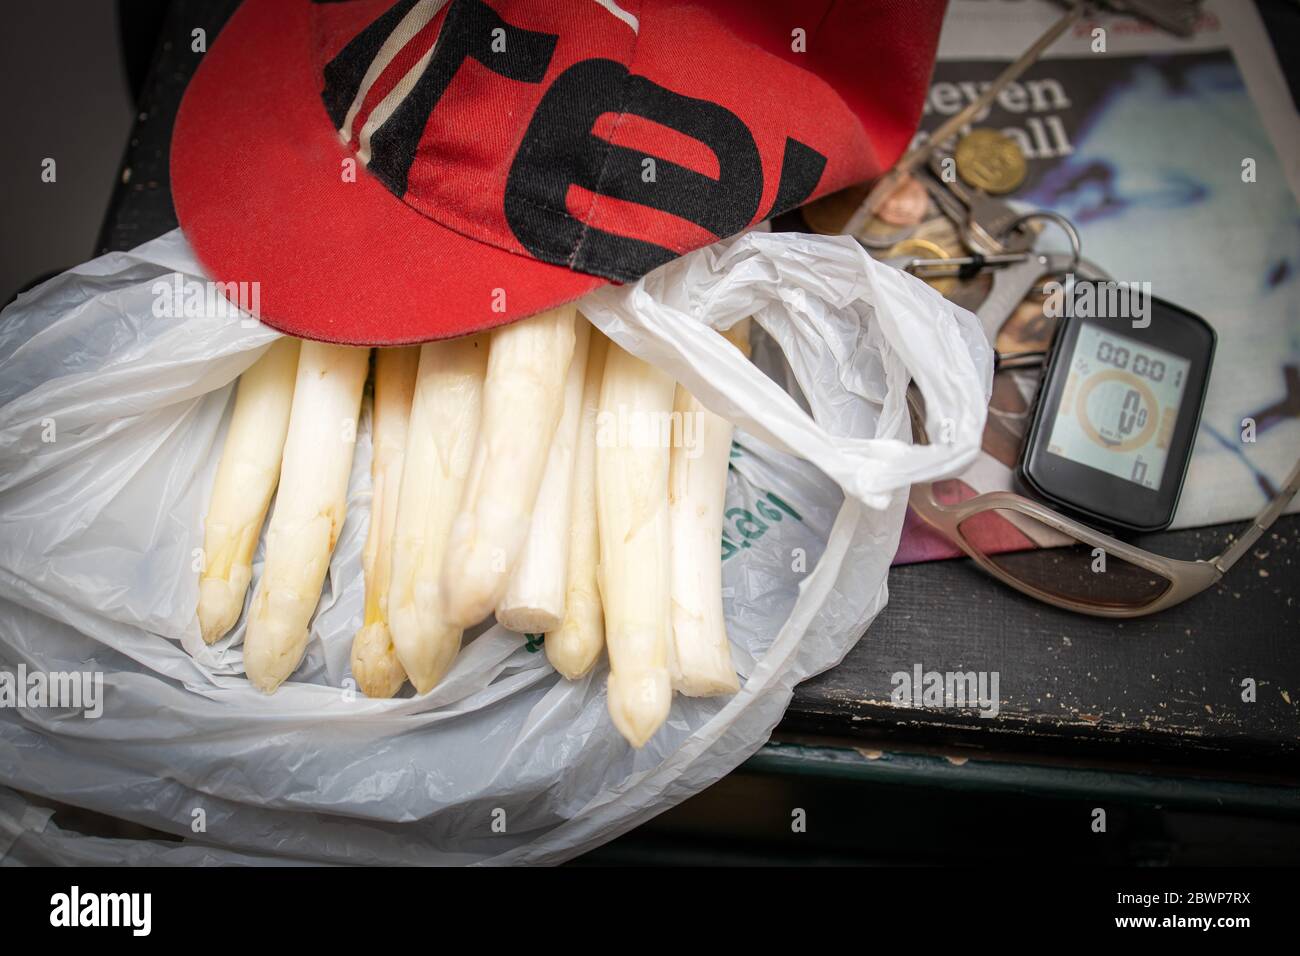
941,345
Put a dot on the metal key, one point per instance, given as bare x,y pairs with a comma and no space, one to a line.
949,203
1014,282
985,222
923,268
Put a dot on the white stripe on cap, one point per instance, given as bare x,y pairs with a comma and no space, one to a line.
416,19
384,108
622,14
411,24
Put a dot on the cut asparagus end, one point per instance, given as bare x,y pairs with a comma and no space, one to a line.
528,620
702,675
533,602
720,684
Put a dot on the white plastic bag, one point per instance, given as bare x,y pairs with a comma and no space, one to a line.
111,420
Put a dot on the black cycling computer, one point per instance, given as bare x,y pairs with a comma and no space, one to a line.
1116,415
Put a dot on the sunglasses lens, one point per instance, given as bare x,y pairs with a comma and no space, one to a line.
1058,565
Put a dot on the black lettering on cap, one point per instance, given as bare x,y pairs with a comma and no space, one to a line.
466,33
559,149
801,170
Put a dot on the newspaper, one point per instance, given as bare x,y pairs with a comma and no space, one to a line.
1179,162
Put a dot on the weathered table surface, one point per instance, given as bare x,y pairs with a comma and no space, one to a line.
1165,691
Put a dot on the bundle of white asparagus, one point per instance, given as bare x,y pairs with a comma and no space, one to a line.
538,471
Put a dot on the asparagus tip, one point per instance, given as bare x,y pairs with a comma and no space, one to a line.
374,662
220,603
639,703
271,652
569,654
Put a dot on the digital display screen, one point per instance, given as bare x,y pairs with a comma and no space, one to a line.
1119,406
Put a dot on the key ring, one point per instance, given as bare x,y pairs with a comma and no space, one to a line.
1076,244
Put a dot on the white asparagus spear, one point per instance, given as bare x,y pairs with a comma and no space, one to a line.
439,449
375,666
523,396
246,479
574,646
309,508
534,598
632,455
697,494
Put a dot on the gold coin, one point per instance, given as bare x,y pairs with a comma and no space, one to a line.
924,249
991,161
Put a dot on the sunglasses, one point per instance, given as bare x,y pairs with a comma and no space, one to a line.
1063,562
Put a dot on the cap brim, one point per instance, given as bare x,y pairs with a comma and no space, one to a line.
259,184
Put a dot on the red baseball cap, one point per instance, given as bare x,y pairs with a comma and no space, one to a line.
391,173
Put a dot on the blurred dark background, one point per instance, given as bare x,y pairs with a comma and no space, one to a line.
73,70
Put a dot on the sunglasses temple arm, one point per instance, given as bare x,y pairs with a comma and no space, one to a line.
1261,524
